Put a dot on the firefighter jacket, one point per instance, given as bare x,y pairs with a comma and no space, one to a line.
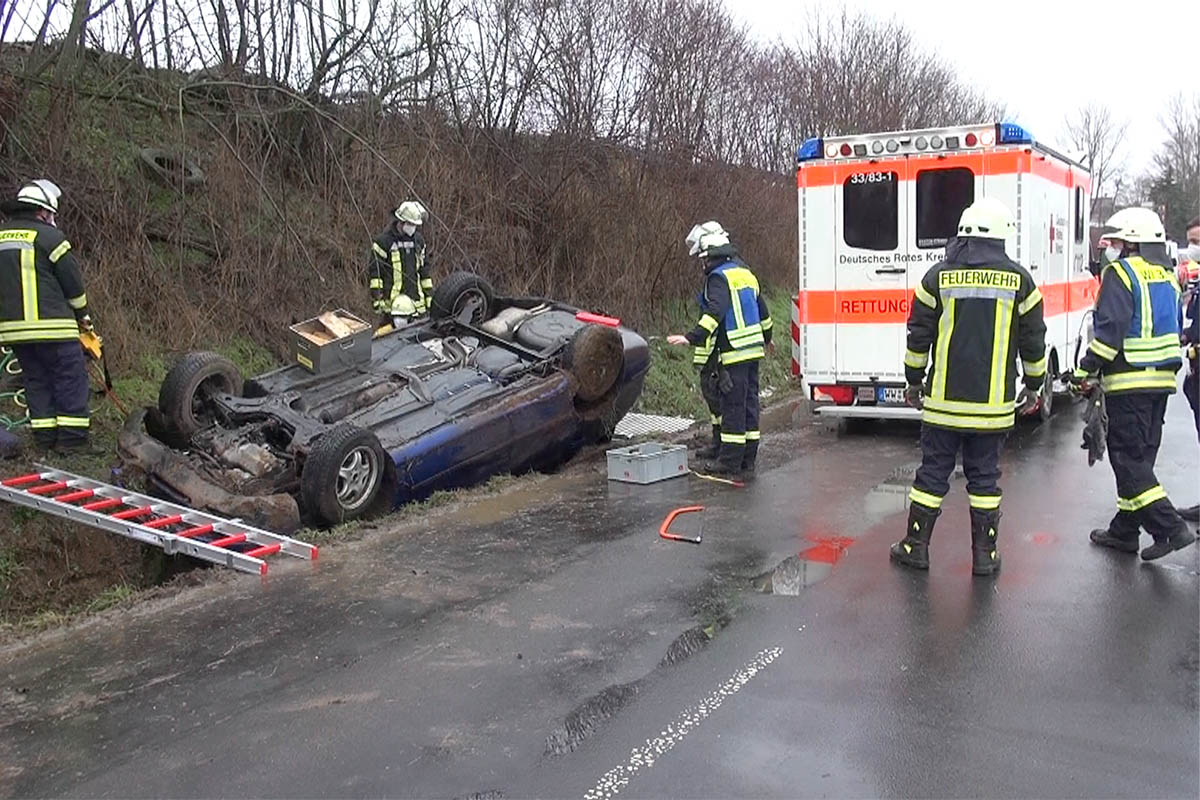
976,313
703,351
41,289
1136,328
399,265
734,317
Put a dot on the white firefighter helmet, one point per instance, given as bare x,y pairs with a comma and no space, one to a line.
403,306
986,218
699,232
1136,225
41,193
412,212
710,241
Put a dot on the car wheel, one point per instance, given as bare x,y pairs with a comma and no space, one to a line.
171,168
594,358
343,474
460,292
185,397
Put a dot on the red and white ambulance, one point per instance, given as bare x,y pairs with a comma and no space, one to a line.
875,213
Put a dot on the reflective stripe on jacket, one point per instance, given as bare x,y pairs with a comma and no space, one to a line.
741,338
734,316
399,266
1136,328
702,351
976,316
41,289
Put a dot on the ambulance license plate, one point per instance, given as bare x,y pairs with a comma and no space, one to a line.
890,394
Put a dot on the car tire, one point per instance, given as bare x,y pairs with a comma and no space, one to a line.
343,474
453,294
184,392
594,358
169,168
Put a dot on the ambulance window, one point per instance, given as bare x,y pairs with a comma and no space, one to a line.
1078,216
872,210
942,194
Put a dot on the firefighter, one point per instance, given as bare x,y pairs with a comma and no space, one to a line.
706,359
399,274
1189,278
977,311
735,315
43,309
1135,354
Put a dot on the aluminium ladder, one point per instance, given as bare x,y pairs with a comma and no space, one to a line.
175,528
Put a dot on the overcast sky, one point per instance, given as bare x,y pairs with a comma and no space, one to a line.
1041,59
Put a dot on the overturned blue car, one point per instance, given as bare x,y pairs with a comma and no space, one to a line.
486,385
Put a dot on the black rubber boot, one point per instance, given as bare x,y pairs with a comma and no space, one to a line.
1178,540
1190,514
713,450
1106,538
750,458
729,463
985,558
913,549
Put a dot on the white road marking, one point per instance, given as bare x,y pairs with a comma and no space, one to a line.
613,781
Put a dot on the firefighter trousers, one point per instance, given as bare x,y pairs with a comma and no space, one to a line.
939,454
739,416
1135,423
710,390
56,390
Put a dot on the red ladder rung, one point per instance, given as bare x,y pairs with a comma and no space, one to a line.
21,480
164,521
199,530
265,550
133,513
48,488
103,505
71,497
237,538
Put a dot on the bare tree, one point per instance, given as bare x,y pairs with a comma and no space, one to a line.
1173,181
1093,131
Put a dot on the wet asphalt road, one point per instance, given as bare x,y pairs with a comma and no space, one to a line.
546,642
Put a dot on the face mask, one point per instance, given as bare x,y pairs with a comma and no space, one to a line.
408,229
1191,252
1112,253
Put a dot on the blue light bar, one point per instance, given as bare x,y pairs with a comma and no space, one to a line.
809,150
1012,133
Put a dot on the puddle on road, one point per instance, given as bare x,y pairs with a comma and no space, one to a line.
491,508
812,565
792,576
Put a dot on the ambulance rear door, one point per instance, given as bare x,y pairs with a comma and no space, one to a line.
939,188
870,304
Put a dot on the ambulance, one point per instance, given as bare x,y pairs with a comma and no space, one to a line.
875,213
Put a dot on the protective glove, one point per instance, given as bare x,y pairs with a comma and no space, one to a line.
724,381
914,395
1080,382
1029,402
85,323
